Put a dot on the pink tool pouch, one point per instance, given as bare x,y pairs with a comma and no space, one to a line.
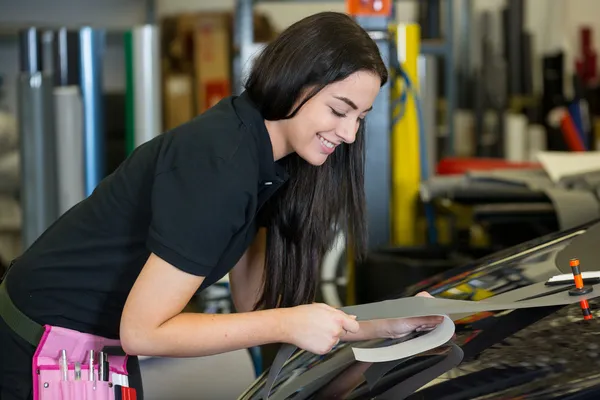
48,382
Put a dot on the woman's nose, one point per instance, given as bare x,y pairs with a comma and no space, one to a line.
347,131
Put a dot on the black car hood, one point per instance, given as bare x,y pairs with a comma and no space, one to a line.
545,353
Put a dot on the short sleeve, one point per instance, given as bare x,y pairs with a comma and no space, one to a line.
197,207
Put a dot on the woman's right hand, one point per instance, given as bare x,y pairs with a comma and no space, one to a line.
317,327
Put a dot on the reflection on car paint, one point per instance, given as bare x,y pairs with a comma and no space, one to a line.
534,351
515,354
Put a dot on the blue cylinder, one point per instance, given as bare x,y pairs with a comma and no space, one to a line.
91,50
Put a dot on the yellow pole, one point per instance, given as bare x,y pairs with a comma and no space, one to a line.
405,143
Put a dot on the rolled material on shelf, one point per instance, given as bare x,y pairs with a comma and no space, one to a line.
143,85
48,52
147,83
70,155
129,95
38,159
91,49
464,143
428,78
66,58
30,51
515,137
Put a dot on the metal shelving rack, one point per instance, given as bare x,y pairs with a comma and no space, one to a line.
444,48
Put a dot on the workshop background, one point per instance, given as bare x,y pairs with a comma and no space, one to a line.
485,137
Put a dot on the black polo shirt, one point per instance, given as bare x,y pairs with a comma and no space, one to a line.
191,195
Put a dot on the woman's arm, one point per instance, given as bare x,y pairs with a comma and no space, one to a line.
246,286
153,324
246,278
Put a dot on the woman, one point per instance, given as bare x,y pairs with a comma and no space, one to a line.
253,188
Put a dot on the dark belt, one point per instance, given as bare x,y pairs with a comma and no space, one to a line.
28,329
20,323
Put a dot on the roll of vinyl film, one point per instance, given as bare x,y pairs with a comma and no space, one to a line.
463,139
37,140
515,137
91,51
30,51
70,149
67,58
129,95
48,43
142,54
38,160
147,83
428,78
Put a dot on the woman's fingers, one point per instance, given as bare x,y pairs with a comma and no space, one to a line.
424,294
430,320
425,328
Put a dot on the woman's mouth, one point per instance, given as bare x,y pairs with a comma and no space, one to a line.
326,143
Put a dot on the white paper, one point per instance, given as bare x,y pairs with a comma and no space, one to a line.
558,164
569,277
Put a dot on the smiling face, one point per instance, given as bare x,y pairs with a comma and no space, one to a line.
330,118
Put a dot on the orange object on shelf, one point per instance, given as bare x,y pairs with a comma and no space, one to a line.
366,8
458,165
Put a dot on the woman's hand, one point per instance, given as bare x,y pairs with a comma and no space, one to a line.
316,327
397,328
394,328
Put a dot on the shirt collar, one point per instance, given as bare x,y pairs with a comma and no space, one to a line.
270,171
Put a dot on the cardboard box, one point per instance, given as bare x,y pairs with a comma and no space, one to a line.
179,99
212,59
197,61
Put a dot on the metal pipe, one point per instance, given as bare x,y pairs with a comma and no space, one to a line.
449,78
378,168
244,37
30,52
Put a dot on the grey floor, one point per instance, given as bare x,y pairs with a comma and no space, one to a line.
224,376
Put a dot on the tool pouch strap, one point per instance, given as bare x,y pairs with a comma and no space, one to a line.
20,323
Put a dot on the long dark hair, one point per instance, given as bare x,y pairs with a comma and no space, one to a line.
305,213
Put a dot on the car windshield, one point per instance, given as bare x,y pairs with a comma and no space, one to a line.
339,375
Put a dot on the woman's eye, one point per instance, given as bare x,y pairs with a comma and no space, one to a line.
337,114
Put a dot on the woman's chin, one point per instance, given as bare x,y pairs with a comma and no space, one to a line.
315,158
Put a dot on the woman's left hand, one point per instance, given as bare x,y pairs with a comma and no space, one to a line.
397,328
